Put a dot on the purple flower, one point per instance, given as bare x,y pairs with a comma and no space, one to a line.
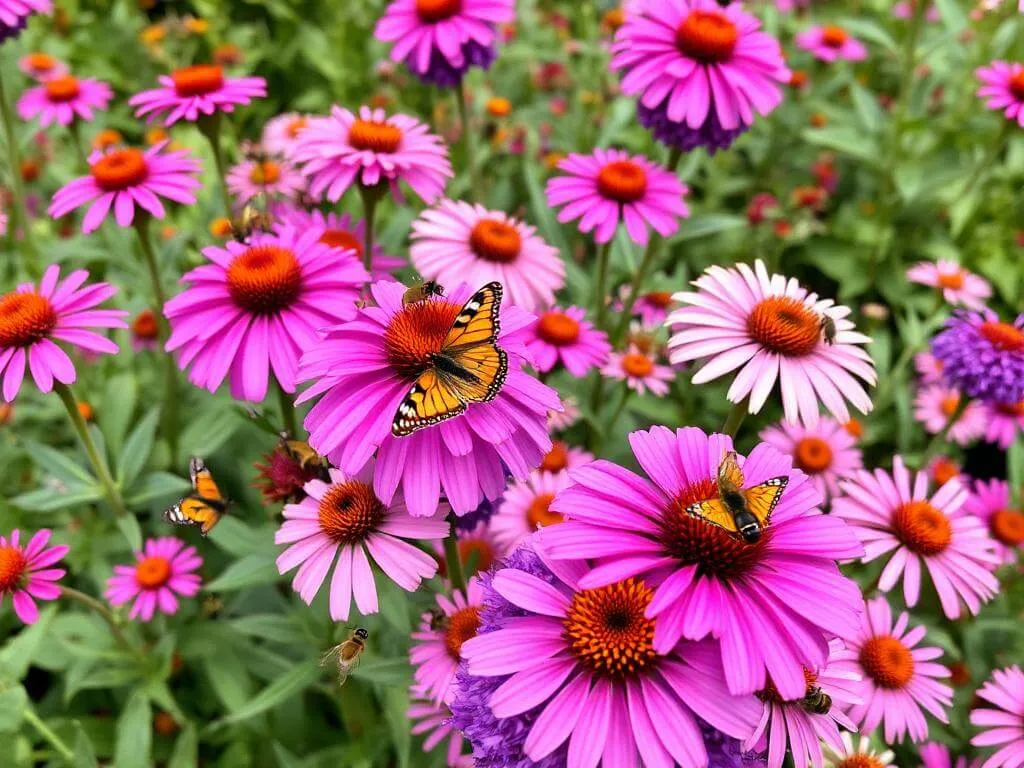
983,356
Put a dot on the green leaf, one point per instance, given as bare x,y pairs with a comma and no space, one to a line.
186,749
55,463
384,671
18,653
286,759
137,448
208,432
85,755
257,568
870,30
282,689
50,499
273,627
228,678
129,526
846,139
707,225
153,486
238,539
542,214
952,15
620,116
134,733
868,109
396,707
12,708
115,414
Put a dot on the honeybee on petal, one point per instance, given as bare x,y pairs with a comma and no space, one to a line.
816,702
250,221
346,655
421,292
437,618
828,330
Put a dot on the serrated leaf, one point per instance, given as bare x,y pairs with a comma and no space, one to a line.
282,689
134,733
257,568
137,448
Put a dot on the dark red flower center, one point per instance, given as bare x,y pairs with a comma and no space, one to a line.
153,572
556,459
145,326
922,528
944,470
496,241
812,455
660,299
539,514
433,11
607,630
264,279
340,238
62,89
1003,336
119,170
707,36
349,512
368,136
462,626
25,318
416,333
887,661
1007,526
1016,85
558,329
622,181
197,80
785,326
265,173
834,37
12,567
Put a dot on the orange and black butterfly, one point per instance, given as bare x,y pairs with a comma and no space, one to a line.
204,506
737,510
469,368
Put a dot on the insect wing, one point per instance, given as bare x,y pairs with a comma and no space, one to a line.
730,476
762,499
430,401
715,512
478,321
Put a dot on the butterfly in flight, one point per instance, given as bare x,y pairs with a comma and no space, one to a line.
737,510
300,452
469,368
204,506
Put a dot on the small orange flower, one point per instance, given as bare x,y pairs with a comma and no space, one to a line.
107,138
85,410
155,135
818,120
196,26
153,34
499,106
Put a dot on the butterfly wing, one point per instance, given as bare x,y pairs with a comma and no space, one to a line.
203,482
730,476
194,511
431,400
762,499
715,512
483,371
478,321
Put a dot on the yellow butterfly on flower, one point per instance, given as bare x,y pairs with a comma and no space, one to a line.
746,512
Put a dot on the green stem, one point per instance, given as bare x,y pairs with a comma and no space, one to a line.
737,414
287,406
44,730
940,439
99,464
19,216
210,128
76,139
468,141
986,162
105,613
452,561
601,283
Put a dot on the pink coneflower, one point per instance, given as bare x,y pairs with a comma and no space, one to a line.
459,242
610,186
434,720
342,232
164,568
258,306
526,507
928,367
346,518
563,457
715,583
892,515
465,457
771,329
651,308
145,331
826,451
281,133
1002,88
64,99
32,319
14,15
1003,725
640,371
25,572
196,91
437,644
991,503
266,178
564,336
936,404
942,469
899,678
478,545
857,755
1003,423
120,179
343,149
569,414
700,71
957,285
935,755
830,42
42,66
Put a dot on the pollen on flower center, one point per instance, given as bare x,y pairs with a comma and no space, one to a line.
607,630
949,405
340,238
1016,85
707,36
369,136
944,470
952,280
119,170
415,335
834,37
1007,527
887,661
264,279
812,455
1003,336
659,299
296,126
860,761
145,326
556,459
41,62
198,80
476,552
637,365
349,512
462,626
495,241
558,329
433,11
153,572
265,173
12,566
622,181
62,89
25,318
784,325
922,528
539,514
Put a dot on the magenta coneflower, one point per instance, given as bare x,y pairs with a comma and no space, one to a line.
435,721
569,414
928,367
565,336
64,99
956,284
750,597
610,186
563,457
266,178
830,42
1003,423
1002,88
652,307
892,513
32,319
281,133
342,232
640,371
42,66
437,644
196,91
991,503
771,329
935,755
466,457
370,148
700,71
14,15
25,572
459,242
258,306
936,404
826,451
121,179
346,518
857,755
1003,725
899,677
526,507
164,568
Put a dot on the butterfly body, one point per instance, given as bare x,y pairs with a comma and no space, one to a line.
205,506
738,510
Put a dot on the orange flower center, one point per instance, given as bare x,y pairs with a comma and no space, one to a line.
416,333
922,528
607,630
659,298
834,37
785,326
264,279
462,626
556,459
144,326
433,11
41,62
499,106
813,455
860,761
349,512
265,173
538,514
944,470
952,280
949,405
558,328
62,89
1007,526
197,80
296,126
153,572
622,181
12,566
637,365
1016,85
707,36
119,170
887,661
854,428
106,138
368,136
339,238
496,241
1003,336
25,318
477,551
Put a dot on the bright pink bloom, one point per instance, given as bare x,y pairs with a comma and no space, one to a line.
194,92
831,43
610,186
32,319
991,503
1002,725
258,306
640,371
437,644
164,568
892,513
928,367
14,14
25,572
281,133
42,66
1002,87
345,233
63,99
958,286
651,308
345,518
936,404
267,179
1003,423
935,755
433,720
568,415
565,336
526,507
826,451
121,179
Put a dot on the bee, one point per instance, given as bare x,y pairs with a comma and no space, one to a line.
421,292
250,221
737,510
438,619
301,452
816,701
828,330
347,654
